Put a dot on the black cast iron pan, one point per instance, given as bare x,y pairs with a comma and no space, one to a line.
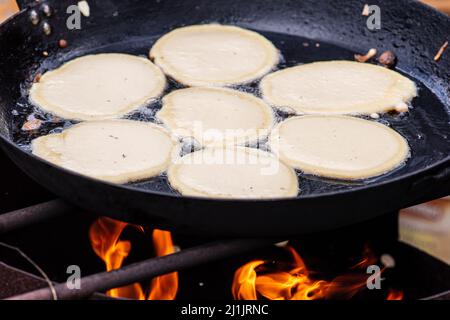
414,32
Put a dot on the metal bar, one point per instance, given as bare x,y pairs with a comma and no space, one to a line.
24,217
148,269
440,296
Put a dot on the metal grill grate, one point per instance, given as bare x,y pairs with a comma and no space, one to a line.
127,275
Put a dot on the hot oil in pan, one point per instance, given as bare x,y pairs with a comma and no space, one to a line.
424,127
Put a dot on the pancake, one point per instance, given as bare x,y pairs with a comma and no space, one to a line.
339,147
214,55
216,116
117,151
98,87
238,173
338,87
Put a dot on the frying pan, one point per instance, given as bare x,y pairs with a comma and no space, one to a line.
305,31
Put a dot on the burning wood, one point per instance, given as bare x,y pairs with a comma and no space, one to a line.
105,239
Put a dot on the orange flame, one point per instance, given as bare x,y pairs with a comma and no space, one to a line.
163,287
395,295
253,280
104,235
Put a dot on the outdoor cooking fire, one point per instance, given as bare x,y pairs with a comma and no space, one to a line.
259,279
395,295
105,239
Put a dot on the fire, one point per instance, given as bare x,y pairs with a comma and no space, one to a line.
255,280
163,287
105,239
395,295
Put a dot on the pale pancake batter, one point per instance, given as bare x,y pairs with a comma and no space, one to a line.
240,173
98,87
338,87
216,116
339,147
118,151
214,55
